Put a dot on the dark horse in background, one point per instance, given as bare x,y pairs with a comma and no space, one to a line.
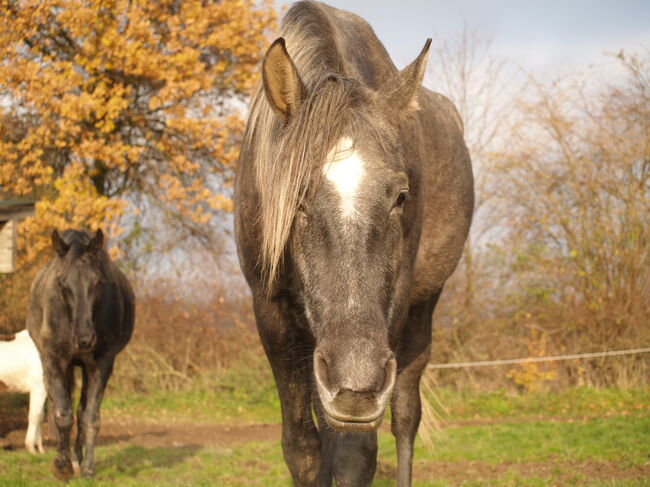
81,313
353,200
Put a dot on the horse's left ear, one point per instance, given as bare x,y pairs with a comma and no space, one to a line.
282,84
402,91
97,243
58,244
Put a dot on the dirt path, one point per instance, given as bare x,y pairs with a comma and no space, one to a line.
563,472
148,433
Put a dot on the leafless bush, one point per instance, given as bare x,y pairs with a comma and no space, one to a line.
565,266
182,332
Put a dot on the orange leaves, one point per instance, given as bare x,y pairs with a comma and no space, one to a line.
124,96
533,376
193,201
77,205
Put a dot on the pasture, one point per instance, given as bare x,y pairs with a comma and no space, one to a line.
216,434
351,204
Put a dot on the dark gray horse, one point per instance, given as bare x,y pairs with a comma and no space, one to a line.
353,200
80,313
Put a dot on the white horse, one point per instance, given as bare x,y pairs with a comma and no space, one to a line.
21,371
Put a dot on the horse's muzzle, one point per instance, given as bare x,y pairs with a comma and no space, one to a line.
85,342
354,410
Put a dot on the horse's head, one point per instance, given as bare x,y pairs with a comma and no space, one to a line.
79,282
352,231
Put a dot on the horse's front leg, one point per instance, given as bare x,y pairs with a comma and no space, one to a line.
412,358
289,351
79,443
58,382
97,375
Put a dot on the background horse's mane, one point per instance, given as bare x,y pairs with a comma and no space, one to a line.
82,237
286,156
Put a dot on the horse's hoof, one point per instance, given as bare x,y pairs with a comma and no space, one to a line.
87,472
62,469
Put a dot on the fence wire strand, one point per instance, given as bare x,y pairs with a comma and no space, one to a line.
528,360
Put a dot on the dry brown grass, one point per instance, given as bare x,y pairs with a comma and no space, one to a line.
182,332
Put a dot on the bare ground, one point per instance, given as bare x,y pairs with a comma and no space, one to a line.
148,433
563,472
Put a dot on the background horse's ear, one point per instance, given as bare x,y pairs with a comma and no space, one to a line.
97,243
282,85
402,91
59,246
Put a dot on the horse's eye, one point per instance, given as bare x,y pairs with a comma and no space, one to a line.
401,198
301,215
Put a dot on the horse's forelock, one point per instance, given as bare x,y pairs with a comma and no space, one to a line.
288,157
79,245
69,236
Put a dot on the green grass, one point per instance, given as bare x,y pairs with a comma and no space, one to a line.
608,448
511,453
617,439
119,465
578,437
579,402
244,393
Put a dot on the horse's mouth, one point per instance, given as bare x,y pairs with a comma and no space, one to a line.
84,349
355,425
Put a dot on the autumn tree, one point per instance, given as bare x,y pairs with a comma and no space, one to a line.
112,107
113,101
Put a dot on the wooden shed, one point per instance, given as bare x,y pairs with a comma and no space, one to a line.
11,211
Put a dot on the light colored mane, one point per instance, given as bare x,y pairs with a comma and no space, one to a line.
287,156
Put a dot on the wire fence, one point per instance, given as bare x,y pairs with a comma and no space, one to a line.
528,360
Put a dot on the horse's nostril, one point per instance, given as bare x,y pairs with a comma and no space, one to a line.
390,372
87,341
320,370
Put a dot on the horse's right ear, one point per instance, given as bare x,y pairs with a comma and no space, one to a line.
97,243
282,84
59,246
402,91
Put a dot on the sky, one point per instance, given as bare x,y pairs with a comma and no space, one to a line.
540,36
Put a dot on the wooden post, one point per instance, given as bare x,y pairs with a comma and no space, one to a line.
11,212
8,246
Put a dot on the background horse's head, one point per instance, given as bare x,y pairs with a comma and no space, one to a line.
350,230
78,282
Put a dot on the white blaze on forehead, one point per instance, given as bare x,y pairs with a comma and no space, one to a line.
345,170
